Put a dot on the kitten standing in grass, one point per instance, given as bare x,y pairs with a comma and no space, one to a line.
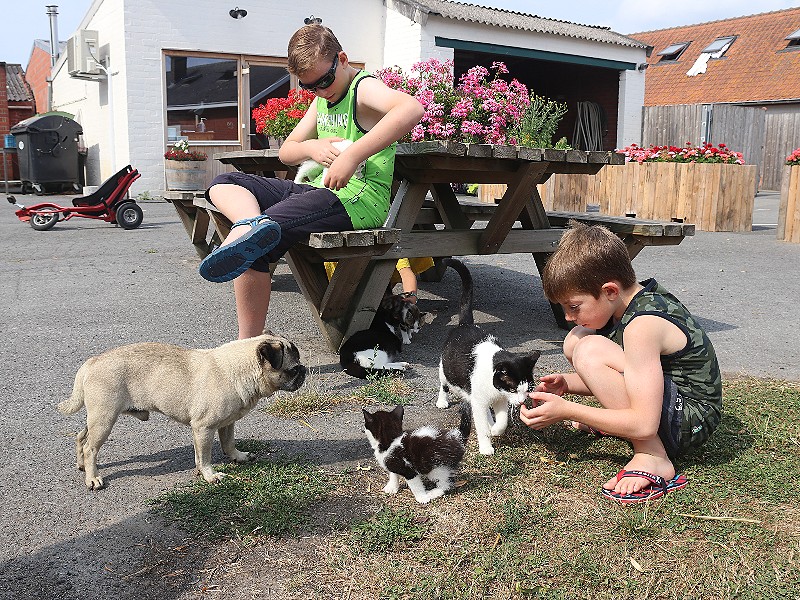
426,452
476,368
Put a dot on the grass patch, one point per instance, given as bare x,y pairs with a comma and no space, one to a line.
388,529
260,498
313,398
529,521
384,389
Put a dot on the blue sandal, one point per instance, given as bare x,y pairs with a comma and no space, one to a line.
231,260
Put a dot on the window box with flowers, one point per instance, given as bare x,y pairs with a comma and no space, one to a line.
706,185
789,209
185,169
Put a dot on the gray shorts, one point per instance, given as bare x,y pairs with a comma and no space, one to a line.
298,208
685,422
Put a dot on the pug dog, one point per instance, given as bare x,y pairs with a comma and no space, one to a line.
208,390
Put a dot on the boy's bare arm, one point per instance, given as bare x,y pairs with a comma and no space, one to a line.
394,114
303,143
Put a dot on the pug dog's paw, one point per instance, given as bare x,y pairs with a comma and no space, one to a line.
95,483
212,476
242,457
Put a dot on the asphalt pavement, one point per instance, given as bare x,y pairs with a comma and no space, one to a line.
86,286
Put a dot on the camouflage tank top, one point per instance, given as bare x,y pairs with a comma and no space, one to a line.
694,369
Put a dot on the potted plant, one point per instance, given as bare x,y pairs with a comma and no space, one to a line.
789,210
185,169
707,185
277,117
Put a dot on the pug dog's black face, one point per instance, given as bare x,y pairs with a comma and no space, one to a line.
281,355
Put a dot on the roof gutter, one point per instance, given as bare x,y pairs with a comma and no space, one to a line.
574,59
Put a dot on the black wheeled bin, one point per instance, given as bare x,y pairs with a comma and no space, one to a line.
47,150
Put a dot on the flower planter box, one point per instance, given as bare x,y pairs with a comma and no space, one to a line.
789,210
712,196
561,192
186,175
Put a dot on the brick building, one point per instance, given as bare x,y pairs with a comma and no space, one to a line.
38,71
16,104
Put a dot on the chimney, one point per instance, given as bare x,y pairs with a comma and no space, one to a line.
52,12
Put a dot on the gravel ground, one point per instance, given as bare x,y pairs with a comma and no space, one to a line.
86,286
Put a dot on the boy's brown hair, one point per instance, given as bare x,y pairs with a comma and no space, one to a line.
310,44
587,257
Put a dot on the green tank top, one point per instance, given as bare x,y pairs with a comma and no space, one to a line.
366,196
694,369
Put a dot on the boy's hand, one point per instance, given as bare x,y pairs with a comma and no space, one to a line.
555,384
547,409
323,151
339,172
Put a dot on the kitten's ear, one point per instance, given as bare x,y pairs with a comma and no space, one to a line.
398,411
367,416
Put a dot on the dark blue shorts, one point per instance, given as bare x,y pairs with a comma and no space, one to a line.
298,208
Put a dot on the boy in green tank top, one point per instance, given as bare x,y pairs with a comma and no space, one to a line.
639,352
270,215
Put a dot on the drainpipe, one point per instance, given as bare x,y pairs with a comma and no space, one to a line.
52,13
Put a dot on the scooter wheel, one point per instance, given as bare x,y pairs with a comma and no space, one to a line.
129,215
44,220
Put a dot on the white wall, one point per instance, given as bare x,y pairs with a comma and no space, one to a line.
136,32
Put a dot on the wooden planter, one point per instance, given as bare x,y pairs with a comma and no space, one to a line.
560,192
186,175
789,210
714,197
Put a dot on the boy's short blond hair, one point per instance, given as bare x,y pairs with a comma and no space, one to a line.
309,45
587,257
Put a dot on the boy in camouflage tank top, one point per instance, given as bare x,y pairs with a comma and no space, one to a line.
639,352
270,215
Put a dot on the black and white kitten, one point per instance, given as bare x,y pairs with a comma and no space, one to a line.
481,372
425,453
378,350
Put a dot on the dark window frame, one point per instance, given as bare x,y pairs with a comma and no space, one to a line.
673,57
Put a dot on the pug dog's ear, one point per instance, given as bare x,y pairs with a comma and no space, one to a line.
267,332
271,352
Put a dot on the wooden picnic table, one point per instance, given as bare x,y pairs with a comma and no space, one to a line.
437,227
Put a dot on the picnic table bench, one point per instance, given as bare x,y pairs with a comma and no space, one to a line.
426,218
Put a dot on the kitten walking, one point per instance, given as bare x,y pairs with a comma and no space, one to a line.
474,367
378,350
425,453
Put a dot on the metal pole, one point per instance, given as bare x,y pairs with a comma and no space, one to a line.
52,13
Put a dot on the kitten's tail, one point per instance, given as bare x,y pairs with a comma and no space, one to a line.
465,426
465,305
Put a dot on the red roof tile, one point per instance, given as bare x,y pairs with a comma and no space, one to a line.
757,66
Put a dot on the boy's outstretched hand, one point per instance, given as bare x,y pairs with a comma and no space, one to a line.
547,409
555,384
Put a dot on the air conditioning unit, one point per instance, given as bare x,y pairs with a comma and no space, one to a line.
81,48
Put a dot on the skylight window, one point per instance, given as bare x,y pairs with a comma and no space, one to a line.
719,46
794,39
673,51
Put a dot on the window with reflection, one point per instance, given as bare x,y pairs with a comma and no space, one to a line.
202,99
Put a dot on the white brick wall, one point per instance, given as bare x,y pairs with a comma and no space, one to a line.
631,100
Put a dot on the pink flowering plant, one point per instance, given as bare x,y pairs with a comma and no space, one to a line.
705,153
482,108
794,158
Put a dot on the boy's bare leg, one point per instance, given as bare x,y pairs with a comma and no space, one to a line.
252,290
236,203
600,364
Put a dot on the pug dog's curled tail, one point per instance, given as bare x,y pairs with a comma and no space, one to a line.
75,402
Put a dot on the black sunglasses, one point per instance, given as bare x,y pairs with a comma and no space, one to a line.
325,81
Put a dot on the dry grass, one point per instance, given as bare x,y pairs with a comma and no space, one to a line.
529,522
